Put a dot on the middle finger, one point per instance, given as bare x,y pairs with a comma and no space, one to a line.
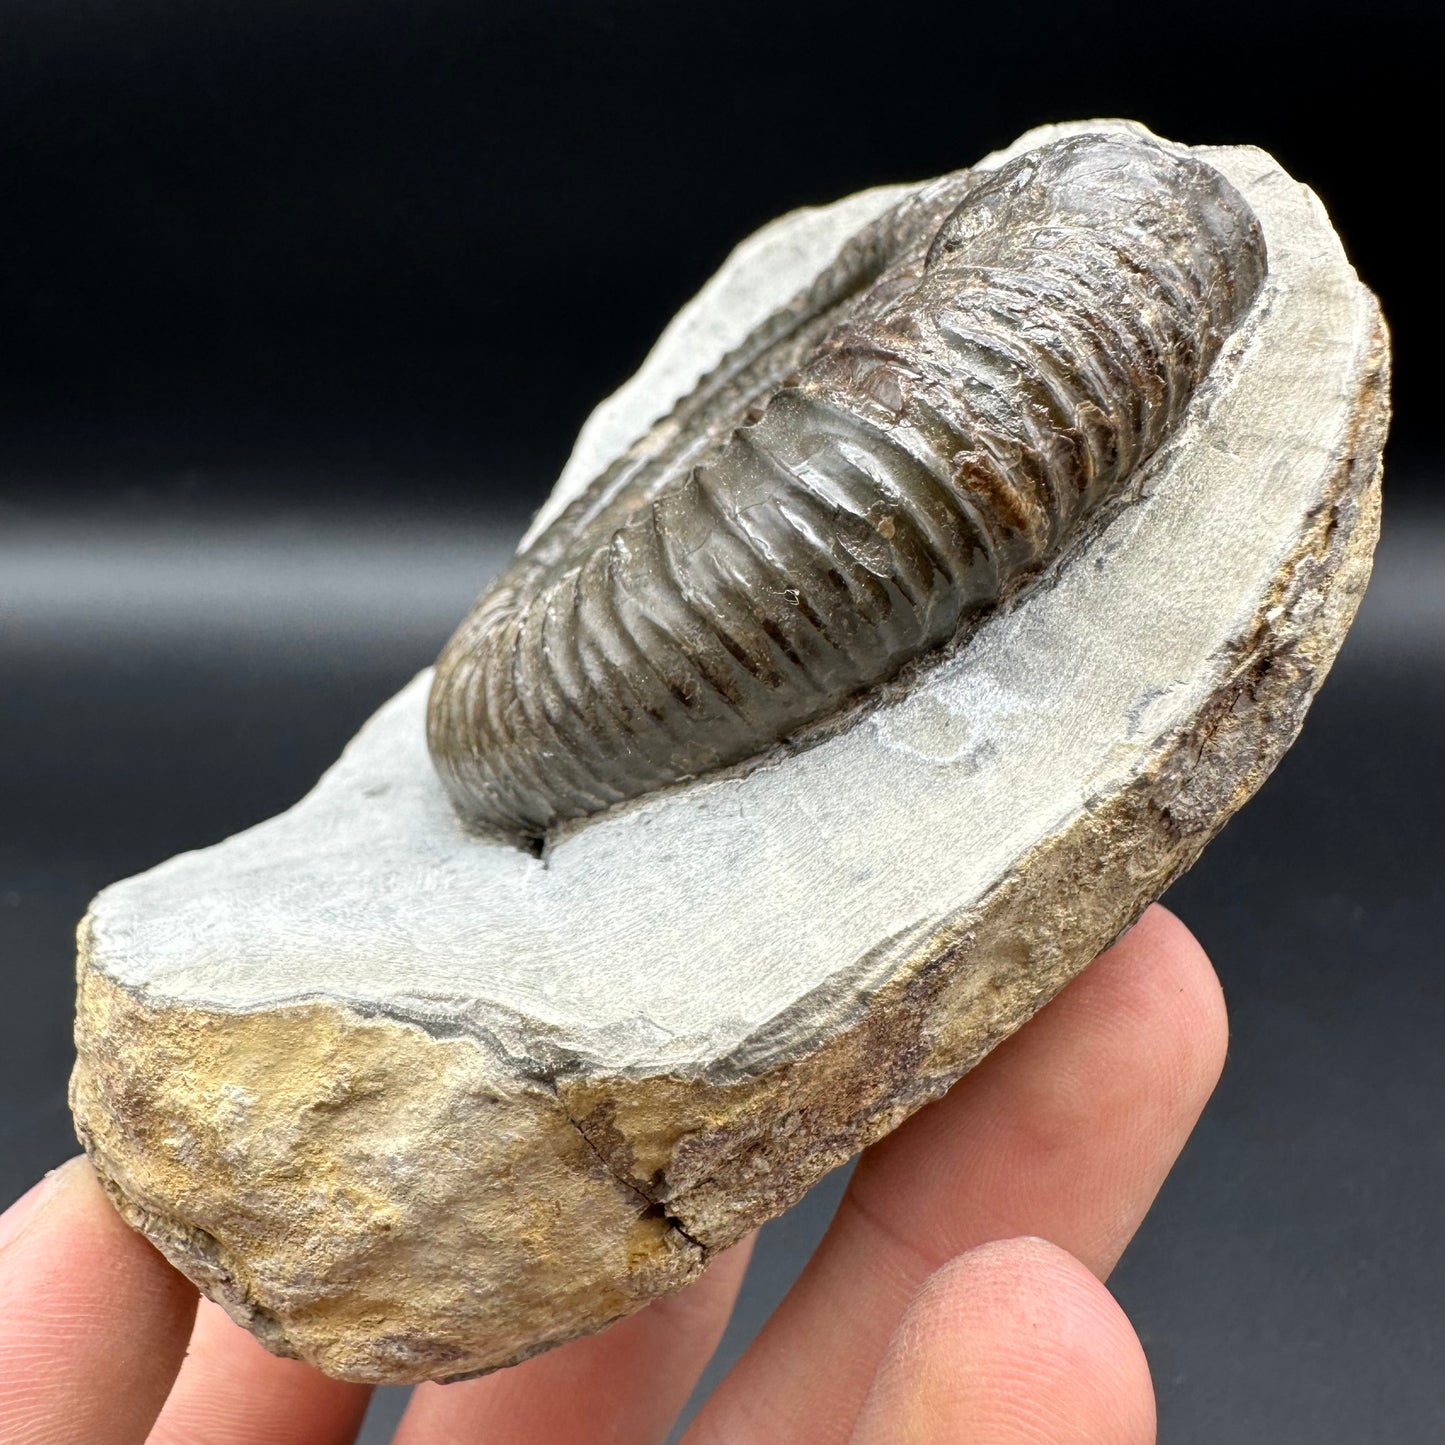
1065,1132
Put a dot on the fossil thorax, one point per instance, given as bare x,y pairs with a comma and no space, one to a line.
915,437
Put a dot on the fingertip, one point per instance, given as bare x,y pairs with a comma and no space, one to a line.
1167,982
1015,1342
230,1390
1117,1068
16,1219
83,1229
93,1322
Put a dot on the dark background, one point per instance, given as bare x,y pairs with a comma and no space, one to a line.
300,307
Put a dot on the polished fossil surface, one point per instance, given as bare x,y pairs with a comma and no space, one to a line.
413,1101
912,438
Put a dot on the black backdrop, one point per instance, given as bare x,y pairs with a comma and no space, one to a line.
410,235
300,307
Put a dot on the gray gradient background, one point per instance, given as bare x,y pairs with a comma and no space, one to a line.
195,666
285,366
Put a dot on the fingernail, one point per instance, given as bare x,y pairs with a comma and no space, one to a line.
25,1209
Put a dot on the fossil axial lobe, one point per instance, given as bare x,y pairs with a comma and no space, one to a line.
914,436
412,1103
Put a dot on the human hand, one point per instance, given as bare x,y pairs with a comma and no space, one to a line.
957,1295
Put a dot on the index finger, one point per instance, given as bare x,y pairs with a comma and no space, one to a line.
93,1322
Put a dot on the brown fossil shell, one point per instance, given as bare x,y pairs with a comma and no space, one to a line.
412,1104
914,437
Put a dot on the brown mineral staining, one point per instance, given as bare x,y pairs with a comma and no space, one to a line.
241,1118
978,370
413,1105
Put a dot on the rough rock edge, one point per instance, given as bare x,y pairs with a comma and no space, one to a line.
716,1161
200,1256
636,1252
725,1159
222,1277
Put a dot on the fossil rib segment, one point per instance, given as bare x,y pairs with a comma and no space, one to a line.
412,1103
912,438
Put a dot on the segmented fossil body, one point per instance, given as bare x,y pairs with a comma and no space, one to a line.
912,438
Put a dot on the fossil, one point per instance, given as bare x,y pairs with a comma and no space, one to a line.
911,438
413,1102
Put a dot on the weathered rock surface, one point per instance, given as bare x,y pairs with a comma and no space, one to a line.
412,1104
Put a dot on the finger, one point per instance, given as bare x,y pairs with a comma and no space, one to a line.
231,1391
1014,1343
1065,1132
93,1322
626,1384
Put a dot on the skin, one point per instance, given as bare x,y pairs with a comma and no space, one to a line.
958,1295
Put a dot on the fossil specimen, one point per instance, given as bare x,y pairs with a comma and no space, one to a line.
1099,484
892,451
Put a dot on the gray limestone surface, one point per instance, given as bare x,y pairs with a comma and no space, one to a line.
412,1103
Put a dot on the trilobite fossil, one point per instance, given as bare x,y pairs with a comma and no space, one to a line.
911,439
631,1055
